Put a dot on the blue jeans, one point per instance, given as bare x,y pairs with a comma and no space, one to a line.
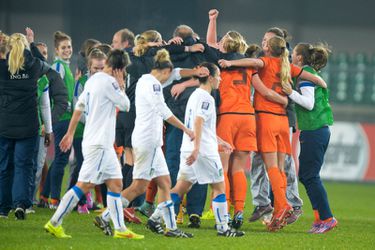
35,169
16,167
56,171
196,198
314,144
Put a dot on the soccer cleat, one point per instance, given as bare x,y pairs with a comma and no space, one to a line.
326,226
315,226
208,215
30,210
58,232
129,215
278,219
297,212
231,233
83,209
146,209
260,211
127,234
237,220
20,213
177,233
43,202
3,215
194,221
155,226
103,225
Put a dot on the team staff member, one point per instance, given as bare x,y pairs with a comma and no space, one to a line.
314,116
19,125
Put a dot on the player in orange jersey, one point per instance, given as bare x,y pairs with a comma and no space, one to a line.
272,123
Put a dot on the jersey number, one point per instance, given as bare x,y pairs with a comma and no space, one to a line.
243,81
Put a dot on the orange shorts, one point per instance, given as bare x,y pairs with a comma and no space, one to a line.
238,130
273,133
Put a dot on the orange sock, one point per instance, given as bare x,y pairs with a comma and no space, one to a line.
316,215
151,191
277,184
239,190
227,188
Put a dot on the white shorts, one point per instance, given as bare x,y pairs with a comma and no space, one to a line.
99,165
149,163
205,170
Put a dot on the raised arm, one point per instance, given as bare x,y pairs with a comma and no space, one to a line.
211,37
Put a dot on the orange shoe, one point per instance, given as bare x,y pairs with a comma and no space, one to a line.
129,215
278,220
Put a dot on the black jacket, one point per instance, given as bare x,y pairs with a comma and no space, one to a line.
18,98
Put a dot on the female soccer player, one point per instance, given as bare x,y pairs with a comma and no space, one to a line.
314,115
236,122
200,160
63,49
272,122
95,63
102,94
147,140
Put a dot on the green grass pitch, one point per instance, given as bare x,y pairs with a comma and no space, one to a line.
353,205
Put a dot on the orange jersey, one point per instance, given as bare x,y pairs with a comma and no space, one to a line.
270,75
235,91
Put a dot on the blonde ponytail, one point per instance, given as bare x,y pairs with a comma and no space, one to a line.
162,60
142,40
285,77
278,48
234,42
18,44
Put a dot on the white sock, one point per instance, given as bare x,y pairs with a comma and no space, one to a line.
67,203
106,216
158,214
169,216
125,202
115,210
220,209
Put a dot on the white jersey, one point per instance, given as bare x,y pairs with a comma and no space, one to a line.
151,110
201,104
99,100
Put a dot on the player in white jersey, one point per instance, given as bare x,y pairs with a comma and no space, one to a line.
200,160
147,140
103,92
